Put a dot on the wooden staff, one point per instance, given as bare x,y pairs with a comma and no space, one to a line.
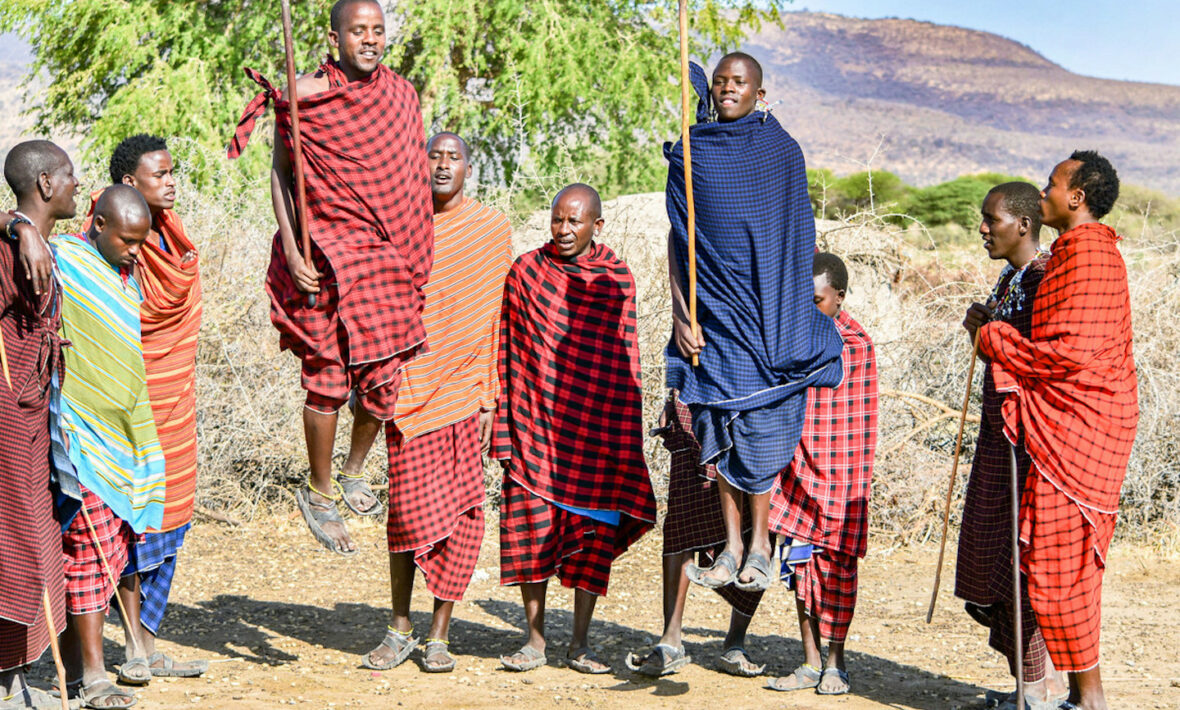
55,648
297,142
1016,595
692,216
110,573
950,490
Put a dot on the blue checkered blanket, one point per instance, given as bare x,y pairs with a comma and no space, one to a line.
765,341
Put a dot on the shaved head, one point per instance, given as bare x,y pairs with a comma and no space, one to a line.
752,65
343,6
29,160
123,205
593,201
447,134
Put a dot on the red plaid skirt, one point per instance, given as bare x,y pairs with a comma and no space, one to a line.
539,540
436,503
693,522
88,587
1063,554
826,585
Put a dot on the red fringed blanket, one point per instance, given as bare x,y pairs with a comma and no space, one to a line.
1072,385
369,209
570,420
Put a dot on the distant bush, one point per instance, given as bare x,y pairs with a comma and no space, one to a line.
833,196
954,202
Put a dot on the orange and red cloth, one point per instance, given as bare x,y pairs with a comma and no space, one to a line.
1072,398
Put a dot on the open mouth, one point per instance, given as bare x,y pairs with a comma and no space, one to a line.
565,242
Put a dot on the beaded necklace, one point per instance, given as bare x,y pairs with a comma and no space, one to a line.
1012,299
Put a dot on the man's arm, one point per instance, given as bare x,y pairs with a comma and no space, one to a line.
34,252
687,342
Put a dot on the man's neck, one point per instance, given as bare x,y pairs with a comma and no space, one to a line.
352,73
1077,219
40,215
452,203
1025,255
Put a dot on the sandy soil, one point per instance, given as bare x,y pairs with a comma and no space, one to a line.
285,622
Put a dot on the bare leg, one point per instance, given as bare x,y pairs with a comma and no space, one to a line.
759,529
675,594
365,428
320,431
440,629
83,648
731,512
132,638
1085,690
533,595
738,625
584,603
401,584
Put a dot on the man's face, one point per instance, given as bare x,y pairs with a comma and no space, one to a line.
63,186
449,169
154,180
119,240
734,92
1057,198
361,39
827,299
1003,234
572,224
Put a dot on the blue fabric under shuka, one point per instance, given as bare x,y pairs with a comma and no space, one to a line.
765,341
154,559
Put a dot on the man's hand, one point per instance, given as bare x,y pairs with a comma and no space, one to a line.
687,342
35,257
306,278
977,315
487,418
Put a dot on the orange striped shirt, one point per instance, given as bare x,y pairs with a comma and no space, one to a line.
472,254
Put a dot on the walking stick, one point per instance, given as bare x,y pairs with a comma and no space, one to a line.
1017,613
110,573
297,142
950,490
55,648
684,139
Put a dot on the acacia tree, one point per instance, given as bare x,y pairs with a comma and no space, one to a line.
551,85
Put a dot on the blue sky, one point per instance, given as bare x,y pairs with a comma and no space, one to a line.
1137,40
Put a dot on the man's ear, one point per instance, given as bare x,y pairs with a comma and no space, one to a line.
99,223
334,39
761,93
1077,198
598,225
840,297
129,180
45,186
1025,226
468,173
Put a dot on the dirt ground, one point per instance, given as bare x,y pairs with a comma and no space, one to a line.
285,622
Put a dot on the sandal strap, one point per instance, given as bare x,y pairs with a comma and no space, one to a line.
442,641
351,476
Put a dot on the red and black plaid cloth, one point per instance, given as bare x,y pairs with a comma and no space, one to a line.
369,209
824,493
88,587
983,571
694,522
1072,397
436,503
827,584
30,536
570,424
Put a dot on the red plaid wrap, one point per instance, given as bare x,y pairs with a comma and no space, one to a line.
370,213
436,503
539,540
88,587
30,538
694,522
983,571
570,420
824,493
1072,397
826,584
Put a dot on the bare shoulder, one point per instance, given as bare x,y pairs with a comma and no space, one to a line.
309,85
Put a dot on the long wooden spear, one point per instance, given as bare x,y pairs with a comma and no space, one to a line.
685,108
1017,612
950,491
297,143
53,645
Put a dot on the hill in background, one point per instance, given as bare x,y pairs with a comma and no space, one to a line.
944,101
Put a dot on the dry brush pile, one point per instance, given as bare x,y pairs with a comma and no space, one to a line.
909,294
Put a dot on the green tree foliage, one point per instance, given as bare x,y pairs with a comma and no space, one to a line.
954,202
589,87
833,196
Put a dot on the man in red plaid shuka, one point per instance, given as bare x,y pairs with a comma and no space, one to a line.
576,490
1010,227
445,412
823,498
1072,398
369,215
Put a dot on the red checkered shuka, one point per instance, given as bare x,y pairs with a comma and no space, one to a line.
827,586
569,422
436,503
1071,385
985,535
30,537
369,210
823,496
88,587
694,522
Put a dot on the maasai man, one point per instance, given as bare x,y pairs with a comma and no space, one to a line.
42,180
821,510
111,446
170,316
1072,399
761,343
445,410
693,525
576,491
368,208
1011,228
